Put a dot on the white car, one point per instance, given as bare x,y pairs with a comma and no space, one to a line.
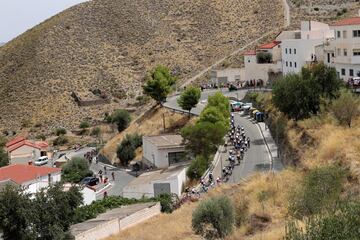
41,161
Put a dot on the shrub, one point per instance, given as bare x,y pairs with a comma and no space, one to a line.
75,170
95,132
264,57
84,125
197,168
167,205
41,137
60,131
241,211
126,149
342,223
121,118
319,190
60,140
346,107
214,218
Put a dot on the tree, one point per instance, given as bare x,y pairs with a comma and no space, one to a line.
214,218
212,115
158,84
319,190
126,150
16,212
189,98
75,170
296,96
219,101
263,57
346,107
121,118
327,80
203,138
4,158
197,168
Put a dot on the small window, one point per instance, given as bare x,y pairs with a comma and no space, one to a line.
290,64
343,71
338,34
295,64
345,52
339,52
285,50
356,52
351,72
332,54
286,63
289,50
344,34
294,50
356,33
176,157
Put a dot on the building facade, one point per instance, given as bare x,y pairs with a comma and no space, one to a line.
343,51
163,151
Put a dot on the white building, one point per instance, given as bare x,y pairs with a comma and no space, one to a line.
343,52
31,178
298,48
261,71
88,193
151,184
229,75
163,151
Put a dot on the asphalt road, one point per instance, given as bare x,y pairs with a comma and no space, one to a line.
256,159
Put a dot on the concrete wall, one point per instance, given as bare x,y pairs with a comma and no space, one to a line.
24,154
138,191
114,226
163,156
89,195
231,74
261,71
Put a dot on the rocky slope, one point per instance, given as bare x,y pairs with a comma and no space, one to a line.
109,45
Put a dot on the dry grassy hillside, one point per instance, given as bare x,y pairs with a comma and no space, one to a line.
109,45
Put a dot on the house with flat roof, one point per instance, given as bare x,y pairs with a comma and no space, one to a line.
23,151
162,151
154,183
31,178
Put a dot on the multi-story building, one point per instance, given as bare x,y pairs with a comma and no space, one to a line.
343,51
298,48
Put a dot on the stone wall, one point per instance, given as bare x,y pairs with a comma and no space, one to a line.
89,102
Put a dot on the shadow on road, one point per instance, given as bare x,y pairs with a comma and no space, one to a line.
262,167
257,142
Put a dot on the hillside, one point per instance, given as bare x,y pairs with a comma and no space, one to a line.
109,45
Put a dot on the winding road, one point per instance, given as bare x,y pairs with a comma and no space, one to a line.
257,158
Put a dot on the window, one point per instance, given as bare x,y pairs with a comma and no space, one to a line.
356,33
294,50
344,34
295,64
338,34
351,72
332,54
356,52
343,71
285,50
338,52
289,50
176,157
290,64
345,52
286,63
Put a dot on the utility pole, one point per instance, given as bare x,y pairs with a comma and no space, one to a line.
164,122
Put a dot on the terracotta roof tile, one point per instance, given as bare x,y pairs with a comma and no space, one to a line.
22,143
14,141
269,45
251,52
21,173
347,21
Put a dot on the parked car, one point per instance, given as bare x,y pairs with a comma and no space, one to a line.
41,161
90,181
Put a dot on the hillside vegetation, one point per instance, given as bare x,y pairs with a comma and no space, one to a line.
110,44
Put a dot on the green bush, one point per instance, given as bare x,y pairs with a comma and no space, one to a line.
346,107
41,136
264,57
214,218
121,118
319,190
75,170
84,125
166,203
126,149
197,168
342,223
60,140
95,132
60,131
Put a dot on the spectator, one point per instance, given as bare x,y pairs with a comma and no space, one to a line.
113,176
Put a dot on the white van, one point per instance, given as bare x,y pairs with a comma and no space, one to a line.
41,161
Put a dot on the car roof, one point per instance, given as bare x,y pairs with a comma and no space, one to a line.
43,157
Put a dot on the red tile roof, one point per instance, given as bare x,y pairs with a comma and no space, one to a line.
251,52
22,143
269,45
347,21
14,141
21,173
